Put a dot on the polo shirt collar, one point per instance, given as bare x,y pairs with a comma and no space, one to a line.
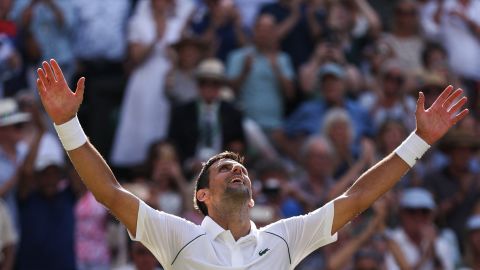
213,230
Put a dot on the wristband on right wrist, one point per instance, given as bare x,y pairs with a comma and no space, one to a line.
71,134
412,149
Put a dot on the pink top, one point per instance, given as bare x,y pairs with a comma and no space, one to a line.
90,233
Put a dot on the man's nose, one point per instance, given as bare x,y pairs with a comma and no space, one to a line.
237,169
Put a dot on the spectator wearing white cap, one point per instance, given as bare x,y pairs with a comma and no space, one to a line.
46,200
422,245
472,240
13,150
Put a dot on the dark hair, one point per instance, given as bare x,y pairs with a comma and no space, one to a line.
202,180
429,48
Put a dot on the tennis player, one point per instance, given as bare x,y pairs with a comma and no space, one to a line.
227,238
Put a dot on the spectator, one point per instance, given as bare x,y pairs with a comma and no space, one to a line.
451,21
405,40
48,25
141,258
420,242
181,85
337,127
472,240
299,25
308,118
212,124
390,100
145,109
101,25
47,200
456,186
13,151
8,238
169,190
92,251
219,24
259,73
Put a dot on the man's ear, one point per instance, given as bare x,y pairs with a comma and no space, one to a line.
202,194
251,203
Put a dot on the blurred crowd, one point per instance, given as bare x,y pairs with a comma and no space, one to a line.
311,92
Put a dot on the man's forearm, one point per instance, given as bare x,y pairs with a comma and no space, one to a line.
99,179
367,188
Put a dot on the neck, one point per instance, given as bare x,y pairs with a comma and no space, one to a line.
234,217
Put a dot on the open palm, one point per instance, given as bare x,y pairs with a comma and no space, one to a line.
58,99
434,122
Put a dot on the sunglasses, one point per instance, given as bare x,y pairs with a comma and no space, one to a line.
211,83
394,78
406,12
418,211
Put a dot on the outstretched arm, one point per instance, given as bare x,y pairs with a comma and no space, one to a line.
62,105
431,125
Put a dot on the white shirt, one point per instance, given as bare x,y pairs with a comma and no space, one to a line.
180,244
462,44
412,253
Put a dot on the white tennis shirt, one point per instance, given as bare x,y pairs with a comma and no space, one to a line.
180,244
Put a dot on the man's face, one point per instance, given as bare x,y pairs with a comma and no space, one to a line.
209,89
415,220
228,181
333,88
264,31
12,133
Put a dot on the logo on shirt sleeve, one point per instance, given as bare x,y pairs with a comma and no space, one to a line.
262,252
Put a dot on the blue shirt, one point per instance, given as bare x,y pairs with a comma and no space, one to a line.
53,38
47,232
308,119
261,96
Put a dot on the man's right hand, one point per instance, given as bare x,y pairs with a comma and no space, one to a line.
58,99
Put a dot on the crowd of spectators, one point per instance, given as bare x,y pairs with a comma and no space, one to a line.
311,92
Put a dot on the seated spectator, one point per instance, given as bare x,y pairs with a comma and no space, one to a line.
308,118
8,238
261,73
455,186
208,124
423,246
47,200
472,243
219,25
145,109
181,86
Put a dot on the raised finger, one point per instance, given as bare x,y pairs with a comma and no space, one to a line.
48,71
448,102
57,70
459,104
40,87
41,75
460,116
443,96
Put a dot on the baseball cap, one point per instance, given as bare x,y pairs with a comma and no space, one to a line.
473,223
10,113
211,69
331,69
417,198
49,153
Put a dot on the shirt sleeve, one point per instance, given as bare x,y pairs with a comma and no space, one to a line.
163,234
304,234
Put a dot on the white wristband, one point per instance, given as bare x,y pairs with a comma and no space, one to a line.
71,134
412,149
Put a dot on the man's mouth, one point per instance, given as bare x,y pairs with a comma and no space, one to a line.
236,180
